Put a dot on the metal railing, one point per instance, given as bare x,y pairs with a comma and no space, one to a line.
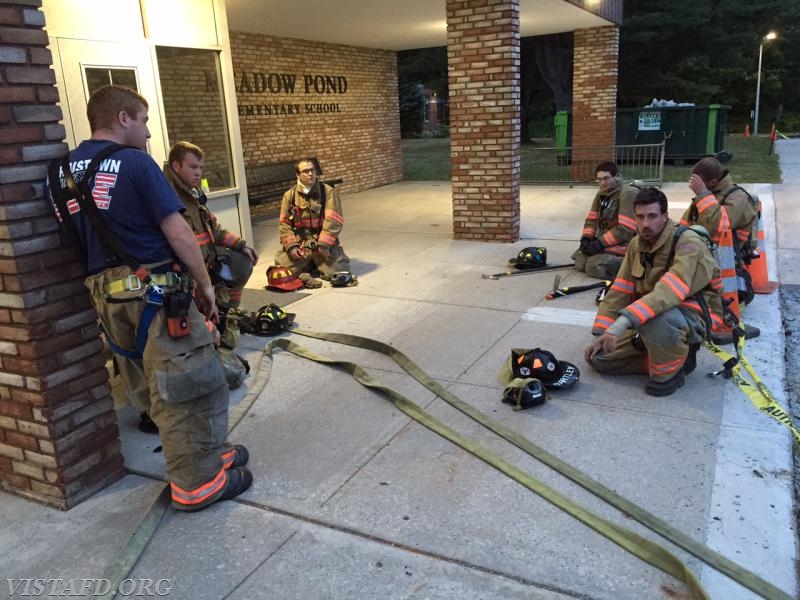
576,164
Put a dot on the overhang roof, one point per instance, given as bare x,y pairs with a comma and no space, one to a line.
389,24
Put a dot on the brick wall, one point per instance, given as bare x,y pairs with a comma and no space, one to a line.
483,74
594,96
357,138
58,430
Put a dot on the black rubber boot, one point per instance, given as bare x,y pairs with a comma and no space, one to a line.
665,388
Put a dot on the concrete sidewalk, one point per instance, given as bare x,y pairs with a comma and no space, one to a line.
354,500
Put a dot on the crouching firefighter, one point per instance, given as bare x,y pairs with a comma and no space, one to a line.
662,303
114,202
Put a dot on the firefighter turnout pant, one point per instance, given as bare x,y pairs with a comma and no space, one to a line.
186,391
599,266
665,341
338,262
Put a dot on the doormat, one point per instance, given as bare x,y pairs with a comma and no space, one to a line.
253,299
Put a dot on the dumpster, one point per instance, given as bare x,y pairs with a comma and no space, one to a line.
691,132
562,136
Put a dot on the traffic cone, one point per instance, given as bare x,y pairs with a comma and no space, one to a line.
747,130
757,268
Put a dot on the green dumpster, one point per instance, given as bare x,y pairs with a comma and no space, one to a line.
562,134
691,132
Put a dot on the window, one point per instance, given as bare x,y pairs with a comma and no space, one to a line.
97,77
194,108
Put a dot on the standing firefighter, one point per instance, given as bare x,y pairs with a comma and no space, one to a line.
115,203
309,227
608,227
661,304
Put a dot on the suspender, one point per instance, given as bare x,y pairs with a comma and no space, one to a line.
80,192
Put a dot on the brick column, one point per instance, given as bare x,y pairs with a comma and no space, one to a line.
483,63
594,97
58,429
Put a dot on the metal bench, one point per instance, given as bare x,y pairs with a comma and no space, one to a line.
268,182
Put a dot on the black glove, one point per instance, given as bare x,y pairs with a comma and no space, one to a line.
591,246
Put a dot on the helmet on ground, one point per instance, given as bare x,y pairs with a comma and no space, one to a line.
542,365
524,393
530,258
343,279
271,319
282,278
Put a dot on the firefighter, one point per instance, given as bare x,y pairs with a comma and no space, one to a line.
718,203
608,227
309,227
662,303
132,242
228,258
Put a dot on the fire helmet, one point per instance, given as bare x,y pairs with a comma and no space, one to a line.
282,278
271,319
530,258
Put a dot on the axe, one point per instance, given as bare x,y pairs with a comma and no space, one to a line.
574,289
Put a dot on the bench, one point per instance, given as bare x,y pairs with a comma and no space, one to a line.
267,183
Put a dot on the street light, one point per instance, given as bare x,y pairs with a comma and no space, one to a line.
770,36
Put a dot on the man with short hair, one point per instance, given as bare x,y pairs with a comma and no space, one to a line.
309,227
175,361
719,204
220,248
661,304
608,227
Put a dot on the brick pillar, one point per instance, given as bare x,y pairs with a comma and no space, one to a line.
594,98
58,429
483,63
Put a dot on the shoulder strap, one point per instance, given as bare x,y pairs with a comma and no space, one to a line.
732,189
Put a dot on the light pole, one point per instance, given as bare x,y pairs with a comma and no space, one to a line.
770,36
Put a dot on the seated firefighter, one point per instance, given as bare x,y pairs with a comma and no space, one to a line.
228,258
719,204
662,303
608,227
309,227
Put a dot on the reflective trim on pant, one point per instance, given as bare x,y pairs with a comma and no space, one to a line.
227,458
666,338
201,494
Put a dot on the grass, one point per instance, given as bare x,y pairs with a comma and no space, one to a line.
428,159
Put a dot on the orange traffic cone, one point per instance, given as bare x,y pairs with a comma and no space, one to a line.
747,130
758,264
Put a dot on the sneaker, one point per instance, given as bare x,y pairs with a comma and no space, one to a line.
665,388
238,480
690,364
146,424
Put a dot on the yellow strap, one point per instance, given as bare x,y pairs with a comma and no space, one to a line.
131,283
757,391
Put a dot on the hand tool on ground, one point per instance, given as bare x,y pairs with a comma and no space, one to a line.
573,289
526,271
